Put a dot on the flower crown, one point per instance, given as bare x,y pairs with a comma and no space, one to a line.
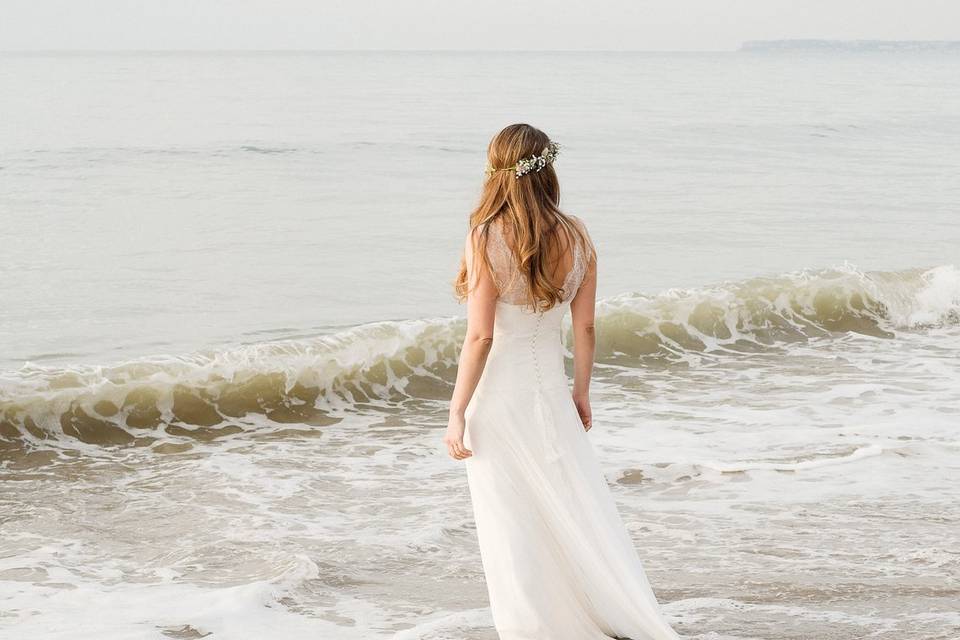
533,163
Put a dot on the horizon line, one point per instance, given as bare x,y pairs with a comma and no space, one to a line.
742,47
359,50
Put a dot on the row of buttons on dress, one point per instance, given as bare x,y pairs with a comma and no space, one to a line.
533,348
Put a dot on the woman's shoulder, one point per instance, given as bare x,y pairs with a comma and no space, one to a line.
581,225
589,249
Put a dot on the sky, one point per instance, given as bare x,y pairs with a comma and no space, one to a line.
646,25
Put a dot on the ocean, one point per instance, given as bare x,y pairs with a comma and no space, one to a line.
228,335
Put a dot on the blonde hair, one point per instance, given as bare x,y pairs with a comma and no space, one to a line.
528,209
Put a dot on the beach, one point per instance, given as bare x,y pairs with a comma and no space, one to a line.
228,336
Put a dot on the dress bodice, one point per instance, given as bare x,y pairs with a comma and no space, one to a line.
527,351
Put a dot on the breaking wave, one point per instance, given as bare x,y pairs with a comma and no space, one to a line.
314,381
758,313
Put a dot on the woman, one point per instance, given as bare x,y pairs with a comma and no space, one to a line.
558,561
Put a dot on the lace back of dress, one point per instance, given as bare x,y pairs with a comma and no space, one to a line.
512,284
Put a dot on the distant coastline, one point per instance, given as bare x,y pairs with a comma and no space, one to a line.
850,45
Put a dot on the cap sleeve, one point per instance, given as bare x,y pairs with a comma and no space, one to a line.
589,249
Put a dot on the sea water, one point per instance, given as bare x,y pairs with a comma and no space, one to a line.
228,334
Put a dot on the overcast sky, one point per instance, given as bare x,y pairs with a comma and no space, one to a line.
671,25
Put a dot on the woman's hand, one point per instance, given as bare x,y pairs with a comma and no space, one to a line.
456,427
582,402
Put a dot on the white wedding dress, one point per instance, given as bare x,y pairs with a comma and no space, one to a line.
558,560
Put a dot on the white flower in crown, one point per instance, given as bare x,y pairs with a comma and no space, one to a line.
536,163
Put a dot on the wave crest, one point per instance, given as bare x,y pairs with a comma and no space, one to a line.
313,381
757,313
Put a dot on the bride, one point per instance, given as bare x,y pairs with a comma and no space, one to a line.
558,561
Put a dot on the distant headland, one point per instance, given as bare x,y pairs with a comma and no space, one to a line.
851,45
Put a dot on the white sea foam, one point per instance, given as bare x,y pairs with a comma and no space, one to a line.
938,299
448,625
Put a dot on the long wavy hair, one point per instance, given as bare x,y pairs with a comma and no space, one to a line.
528,210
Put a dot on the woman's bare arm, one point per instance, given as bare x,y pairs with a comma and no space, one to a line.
481,309
582,310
